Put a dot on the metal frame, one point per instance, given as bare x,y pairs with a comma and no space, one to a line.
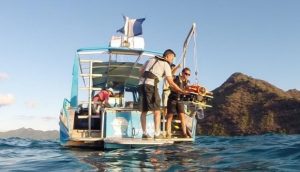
90,75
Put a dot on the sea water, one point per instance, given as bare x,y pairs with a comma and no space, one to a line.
270,152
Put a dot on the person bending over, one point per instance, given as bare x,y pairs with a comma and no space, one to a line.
101,100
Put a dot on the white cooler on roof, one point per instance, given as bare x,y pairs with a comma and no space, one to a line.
132,42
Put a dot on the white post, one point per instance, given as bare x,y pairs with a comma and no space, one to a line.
186,42
90,97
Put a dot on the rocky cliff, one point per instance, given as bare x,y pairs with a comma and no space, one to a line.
245,106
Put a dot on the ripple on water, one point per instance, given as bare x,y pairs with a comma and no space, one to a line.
268,152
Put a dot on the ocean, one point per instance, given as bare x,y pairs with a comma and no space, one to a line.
270,152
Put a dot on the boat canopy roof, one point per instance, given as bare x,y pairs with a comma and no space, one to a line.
116,51
117,68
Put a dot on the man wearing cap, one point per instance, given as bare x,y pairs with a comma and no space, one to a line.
151,72
101,99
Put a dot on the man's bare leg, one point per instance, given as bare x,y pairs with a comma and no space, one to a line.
169,122
183,123
156,114
143,122
164,118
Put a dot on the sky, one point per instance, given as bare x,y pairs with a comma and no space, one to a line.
38,41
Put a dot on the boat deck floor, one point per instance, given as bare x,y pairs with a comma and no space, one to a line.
134,141
87,139
137,141
181,139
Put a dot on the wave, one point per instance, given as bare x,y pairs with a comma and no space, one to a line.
23,143
268,152
37,155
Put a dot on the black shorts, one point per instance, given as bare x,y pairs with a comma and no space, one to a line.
175,106
149,99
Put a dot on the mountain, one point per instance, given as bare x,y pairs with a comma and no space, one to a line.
294,93
243,105
31,134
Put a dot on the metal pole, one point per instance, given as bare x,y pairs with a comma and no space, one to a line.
103,112
186,42
90,96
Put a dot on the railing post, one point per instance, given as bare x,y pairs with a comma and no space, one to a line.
90,97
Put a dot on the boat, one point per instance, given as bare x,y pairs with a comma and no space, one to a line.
116,66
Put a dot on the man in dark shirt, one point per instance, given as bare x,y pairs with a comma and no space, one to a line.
175,103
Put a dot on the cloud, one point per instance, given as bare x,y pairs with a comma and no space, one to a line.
3,76
31,104
30,117
6,99
47,118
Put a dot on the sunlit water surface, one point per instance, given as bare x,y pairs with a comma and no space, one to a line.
269,152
